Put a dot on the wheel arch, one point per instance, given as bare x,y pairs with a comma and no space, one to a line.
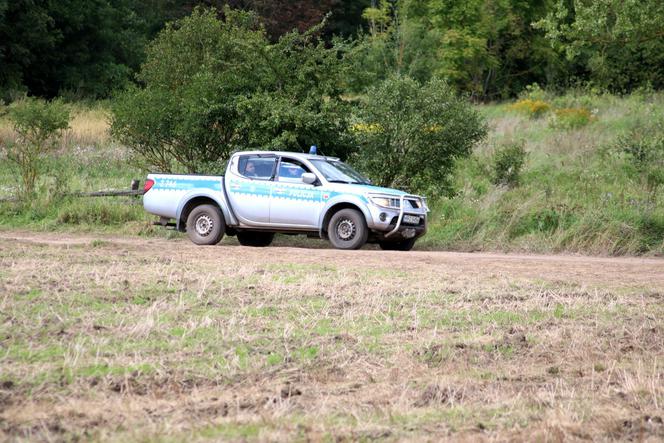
191,203
336,207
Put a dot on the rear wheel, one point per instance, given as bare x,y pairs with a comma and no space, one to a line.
348,229
205,225
256,239
404,245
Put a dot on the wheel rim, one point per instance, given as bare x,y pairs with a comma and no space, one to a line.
204,225
346,229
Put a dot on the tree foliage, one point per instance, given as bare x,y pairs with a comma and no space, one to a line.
215,86
621,42
486,48
82,47
410,133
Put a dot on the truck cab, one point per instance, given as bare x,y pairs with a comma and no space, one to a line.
268,192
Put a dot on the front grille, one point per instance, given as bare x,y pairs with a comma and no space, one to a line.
414,203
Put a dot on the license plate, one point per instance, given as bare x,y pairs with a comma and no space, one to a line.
411,219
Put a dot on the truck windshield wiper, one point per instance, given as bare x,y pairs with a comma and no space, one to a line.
341,181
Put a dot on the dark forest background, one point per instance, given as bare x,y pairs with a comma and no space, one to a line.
490,49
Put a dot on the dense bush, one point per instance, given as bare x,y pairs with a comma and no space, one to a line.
410,134
213,87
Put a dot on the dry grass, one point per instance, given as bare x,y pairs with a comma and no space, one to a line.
134,339
88,127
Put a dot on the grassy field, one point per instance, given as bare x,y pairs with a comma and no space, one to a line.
582,188
143,339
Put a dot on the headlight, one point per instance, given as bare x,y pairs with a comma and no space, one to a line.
386,202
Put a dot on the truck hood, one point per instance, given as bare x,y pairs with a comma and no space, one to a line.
364,189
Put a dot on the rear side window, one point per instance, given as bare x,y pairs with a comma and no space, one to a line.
260,168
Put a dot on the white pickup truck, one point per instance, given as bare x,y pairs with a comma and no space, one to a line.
268,192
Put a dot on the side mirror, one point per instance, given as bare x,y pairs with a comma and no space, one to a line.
309,178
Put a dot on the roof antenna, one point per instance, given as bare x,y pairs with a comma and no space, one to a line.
312,150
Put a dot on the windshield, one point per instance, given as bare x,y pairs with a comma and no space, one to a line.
338,172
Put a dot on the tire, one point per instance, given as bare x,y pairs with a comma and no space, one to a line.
348,229
404,245
206,225
255,239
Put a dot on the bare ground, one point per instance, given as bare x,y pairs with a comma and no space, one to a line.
128,338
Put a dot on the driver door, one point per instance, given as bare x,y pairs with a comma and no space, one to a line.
294,203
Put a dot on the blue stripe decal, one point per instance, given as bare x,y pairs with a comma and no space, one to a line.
299,193
257,188
185,184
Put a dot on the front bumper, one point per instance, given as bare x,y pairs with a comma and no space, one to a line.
403,223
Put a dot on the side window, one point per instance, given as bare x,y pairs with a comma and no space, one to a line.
290,171
256,167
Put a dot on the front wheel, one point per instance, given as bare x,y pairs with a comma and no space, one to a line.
348,229
404,245
205,225
256,239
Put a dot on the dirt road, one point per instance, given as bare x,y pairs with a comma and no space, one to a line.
605,271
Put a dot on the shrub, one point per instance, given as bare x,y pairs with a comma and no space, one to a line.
571,118
531,108
644,146
507,164
38,125
411,133
534,92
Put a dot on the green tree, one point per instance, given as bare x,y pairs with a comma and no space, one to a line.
398,43
38,125
215,86
621,42
410,134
